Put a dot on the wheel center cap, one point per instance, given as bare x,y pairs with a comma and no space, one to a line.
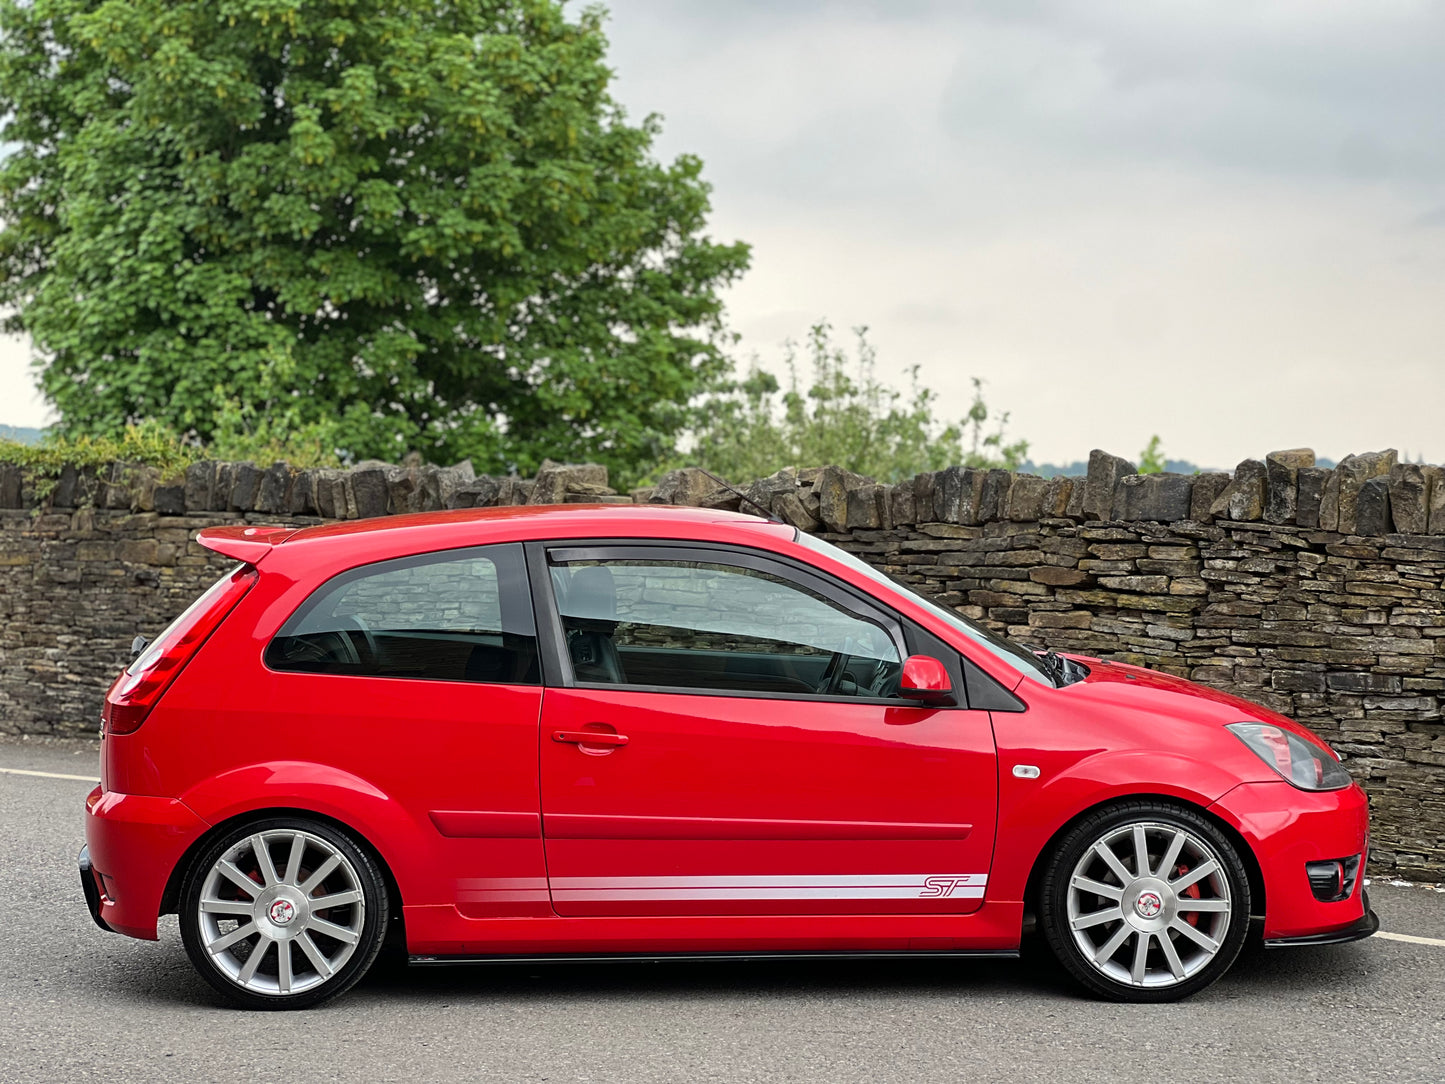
1148,904
281,912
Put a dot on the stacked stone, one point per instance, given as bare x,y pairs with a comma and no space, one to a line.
368,489
1367,495
1371,494
1320,593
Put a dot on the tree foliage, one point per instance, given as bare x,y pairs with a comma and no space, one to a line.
382,224
845,415
1151,459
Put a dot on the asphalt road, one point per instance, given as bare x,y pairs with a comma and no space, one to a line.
80,1004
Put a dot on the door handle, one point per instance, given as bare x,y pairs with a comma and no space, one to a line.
589,737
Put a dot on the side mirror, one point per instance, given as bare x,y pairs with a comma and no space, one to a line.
926,681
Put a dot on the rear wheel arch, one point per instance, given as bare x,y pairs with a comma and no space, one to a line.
170,898
1246,852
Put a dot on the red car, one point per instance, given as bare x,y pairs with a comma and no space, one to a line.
572,732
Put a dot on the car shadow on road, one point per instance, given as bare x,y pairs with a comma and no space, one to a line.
722,978
1033,976
166,978
1297,970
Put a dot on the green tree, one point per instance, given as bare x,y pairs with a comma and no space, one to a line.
380,224
1151,459
844,415
990,447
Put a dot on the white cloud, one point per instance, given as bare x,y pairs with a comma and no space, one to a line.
1215,222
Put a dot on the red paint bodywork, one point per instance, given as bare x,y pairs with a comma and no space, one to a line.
453,783
926,681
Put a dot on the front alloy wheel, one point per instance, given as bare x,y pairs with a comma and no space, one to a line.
283,914
1146,902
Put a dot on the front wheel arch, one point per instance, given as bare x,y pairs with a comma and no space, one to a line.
1251,862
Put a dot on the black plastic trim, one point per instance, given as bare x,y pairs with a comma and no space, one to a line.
754,694
91,890
986,694
551,639
1368,924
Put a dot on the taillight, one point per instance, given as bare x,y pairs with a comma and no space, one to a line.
140,685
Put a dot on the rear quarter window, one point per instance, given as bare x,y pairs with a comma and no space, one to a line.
462,615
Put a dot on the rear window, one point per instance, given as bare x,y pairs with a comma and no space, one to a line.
462,615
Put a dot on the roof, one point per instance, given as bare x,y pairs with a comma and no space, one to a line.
424,531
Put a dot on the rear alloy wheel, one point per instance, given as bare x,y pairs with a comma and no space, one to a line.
283,914
1146,902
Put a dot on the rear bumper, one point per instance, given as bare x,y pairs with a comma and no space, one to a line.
1286,828
132,844
91,889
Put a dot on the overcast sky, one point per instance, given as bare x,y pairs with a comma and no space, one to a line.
1220,222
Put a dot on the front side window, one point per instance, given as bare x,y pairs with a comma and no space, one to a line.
702,625
1018,657
462,615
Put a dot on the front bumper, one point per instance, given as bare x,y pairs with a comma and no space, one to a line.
1368,923
133,844
1286,828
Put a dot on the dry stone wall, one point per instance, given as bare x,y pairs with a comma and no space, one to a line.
1320,593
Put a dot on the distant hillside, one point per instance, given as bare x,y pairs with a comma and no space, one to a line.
1080,467
20,434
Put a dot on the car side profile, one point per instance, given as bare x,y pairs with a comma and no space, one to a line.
598,732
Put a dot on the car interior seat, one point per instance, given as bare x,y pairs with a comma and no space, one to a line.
590,616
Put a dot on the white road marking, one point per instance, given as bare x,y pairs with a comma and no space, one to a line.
1412,939
50,775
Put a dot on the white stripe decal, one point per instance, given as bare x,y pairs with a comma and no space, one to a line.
909,892
838,886
816,880
502,890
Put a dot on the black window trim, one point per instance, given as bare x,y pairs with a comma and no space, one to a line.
557,664
522,602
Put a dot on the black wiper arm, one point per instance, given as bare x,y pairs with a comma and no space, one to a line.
1054,665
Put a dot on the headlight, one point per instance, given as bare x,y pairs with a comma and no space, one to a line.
1298,760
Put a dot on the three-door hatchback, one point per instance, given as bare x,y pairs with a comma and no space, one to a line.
662,732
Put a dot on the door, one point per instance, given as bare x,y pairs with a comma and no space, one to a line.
420,676
729,740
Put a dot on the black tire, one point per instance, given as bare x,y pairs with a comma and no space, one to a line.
353,878
1170,972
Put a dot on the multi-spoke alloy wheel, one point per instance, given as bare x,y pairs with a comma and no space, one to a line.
1146,902
283,914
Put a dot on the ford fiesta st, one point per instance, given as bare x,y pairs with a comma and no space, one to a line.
657,732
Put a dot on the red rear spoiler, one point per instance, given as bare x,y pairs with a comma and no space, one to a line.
245,544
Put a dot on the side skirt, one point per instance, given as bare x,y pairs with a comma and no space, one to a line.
709,957
441,931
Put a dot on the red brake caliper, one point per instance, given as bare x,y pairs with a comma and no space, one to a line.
1192,892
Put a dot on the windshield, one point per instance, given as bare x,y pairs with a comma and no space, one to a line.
1020,658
